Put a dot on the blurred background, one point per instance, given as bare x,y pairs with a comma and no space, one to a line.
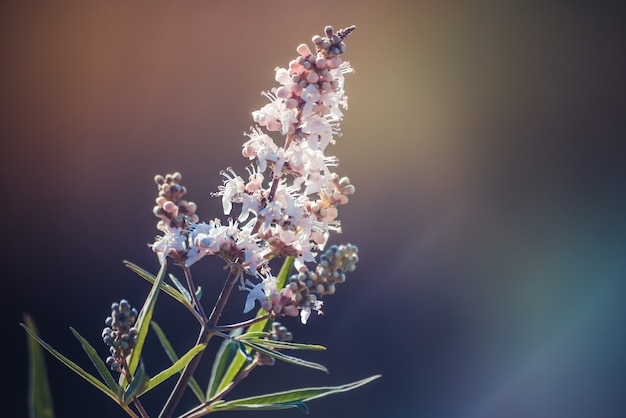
485,143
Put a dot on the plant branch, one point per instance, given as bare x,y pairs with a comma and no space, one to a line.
233,276
206,332
129,411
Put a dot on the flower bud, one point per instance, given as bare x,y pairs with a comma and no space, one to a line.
303,49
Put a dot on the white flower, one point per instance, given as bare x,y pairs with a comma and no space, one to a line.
172,240
255,293
260,292
210,238
305,313
232,190
260,146
270,214
319,130
253,253
310,95
284,78
276,116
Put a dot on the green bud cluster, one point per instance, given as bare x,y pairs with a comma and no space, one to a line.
277,332
332,44
308,286
120,334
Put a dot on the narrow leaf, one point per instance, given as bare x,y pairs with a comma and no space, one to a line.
144,318
138,385
286,345
171,354
39,395
251,335
97,362
223,358
239,361
284,357
174,368
171,291
281,400
182,289
236,363
73,366
298,395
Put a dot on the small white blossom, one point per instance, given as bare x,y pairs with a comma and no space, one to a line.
172,240
259,292
260,146
210,238
305,313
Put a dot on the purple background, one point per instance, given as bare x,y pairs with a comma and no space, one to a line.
485,142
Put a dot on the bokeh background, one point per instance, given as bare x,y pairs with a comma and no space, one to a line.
485,140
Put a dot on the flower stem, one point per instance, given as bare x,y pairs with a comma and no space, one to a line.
206,332
192,290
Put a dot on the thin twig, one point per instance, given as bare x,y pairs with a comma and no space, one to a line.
192,290
242,324
196,307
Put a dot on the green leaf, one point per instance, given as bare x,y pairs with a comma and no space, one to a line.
285,345
223,358
39,395
144,318
174,368
282,400
171,291
251,335
171,354
284,357
97,362
182,289
138,385
239,361
73,366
